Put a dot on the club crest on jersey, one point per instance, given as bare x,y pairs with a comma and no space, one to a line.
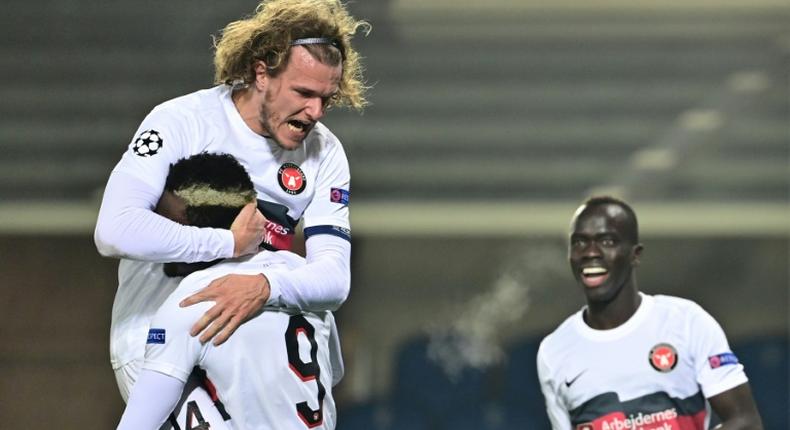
148,143
156,335
663,357
585,426
291,178
339,195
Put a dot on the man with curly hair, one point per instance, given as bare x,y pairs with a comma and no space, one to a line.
277,72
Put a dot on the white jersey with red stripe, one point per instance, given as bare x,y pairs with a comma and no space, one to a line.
276,371
310,183
655,371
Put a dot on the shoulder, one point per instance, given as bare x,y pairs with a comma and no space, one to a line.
191,284
677,307
323,141
268,260
290,259
559,339
192,106
321,133
686,315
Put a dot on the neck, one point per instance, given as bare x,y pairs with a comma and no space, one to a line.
249,109
614,313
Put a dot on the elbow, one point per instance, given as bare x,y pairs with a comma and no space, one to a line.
335,293
106,242
343,290
117,240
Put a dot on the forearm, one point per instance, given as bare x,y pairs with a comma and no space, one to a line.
322,284
742,423
153,398
127,227
737,409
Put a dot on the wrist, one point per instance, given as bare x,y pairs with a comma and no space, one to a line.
233,248
264,288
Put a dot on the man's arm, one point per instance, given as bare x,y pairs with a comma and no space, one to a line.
720,375
321,284
153,398
128,227
737,409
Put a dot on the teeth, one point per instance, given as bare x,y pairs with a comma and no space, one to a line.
294,127
593,270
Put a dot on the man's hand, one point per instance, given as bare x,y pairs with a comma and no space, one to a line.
248,230
236,297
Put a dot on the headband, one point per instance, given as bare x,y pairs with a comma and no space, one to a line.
321,41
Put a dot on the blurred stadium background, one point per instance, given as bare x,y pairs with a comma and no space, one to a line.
490,122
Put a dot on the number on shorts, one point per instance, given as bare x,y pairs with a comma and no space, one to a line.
305,371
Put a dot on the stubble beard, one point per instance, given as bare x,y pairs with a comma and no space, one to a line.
269,129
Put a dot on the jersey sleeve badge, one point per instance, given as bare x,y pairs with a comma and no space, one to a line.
148,143
156,335
339,195
724,359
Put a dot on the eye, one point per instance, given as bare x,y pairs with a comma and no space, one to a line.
608,241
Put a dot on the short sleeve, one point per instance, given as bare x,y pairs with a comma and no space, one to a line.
329,206
717,368
170,349
163,138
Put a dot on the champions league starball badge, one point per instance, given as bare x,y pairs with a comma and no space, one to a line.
291,178
147,143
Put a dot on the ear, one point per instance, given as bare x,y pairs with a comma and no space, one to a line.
261,74
172,207
636,254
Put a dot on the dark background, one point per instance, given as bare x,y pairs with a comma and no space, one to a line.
488,125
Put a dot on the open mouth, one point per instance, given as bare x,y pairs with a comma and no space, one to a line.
594,276
297,126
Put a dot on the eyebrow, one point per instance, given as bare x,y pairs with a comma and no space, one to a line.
312,92
594,235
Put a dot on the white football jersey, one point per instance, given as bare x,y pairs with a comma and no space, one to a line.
301,180
143,287
653,372
276,371
309,183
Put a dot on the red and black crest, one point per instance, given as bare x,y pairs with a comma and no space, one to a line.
663,357
291,178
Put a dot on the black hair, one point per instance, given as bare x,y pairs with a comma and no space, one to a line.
214,187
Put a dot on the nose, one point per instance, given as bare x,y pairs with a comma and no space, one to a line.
314,108
591,250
